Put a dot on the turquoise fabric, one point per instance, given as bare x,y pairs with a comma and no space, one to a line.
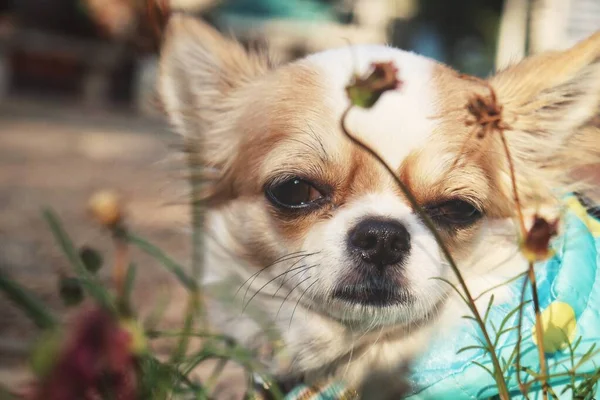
570,277
307,10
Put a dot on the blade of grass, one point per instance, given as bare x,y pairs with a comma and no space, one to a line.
489,371
184,339
475,347
27,302
507,282
129,282
215,374
488,309
159,255
188,282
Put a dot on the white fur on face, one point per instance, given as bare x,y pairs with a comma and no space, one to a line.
397,125
422,265
401,121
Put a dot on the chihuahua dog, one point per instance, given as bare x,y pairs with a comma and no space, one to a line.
317,234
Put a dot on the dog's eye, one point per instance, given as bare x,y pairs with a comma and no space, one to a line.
454,212
293,194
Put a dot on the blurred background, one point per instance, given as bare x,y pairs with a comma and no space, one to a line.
78,109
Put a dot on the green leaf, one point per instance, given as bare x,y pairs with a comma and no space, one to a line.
27,302
184,339
508,363
487,310
474,347
216,373
489,371
494,329
71,291
129,282
164,259
501,330
91,258
509,281
160,380
453,286
45,352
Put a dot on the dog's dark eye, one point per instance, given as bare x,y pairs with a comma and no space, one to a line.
454,212
293,193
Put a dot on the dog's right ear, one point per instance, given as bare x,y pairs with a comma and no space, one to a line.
199,74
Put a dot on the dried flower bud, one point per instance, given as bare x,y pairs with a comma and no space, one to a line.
91,259
536,245
364,92
106,207
71,291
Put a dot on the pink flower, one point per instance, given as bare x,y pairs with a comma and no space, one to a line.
96,360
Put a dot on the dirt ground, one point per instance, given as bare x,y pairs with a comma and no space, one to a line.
56,155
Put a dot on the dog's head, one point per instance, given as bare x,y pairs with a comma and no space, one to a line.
317,215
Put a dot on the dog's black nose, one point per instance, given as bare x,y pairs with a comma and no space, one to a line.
379,242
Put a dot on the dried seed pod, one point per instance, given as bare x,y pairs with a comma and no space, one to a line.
91,258
536,244
71,291
365,91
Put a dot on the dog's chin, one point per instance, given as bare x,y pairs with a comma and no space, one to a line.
374,300
372,287
374,309
372,294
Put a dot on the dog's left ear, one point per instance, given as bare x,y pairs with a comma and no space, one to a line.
552,103
201,71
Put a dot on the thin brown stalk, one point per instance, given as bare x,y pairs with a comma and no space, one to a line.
513,179
522,386
530,269
120,264
538,331
198,242
500,382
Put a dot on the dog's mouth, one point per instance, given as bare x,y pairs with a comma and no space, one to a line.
373,293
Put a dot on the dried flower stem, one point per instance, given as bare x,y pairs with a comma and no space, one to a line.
120,265
513,180
538,331
522,387
530,270
500,382
197,208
